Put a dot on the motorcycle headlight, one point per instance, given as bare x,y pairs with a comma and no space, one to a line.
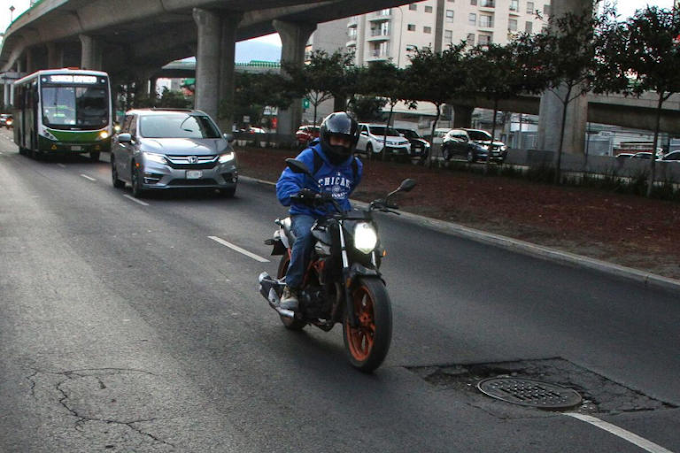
228,157
159,158
365,238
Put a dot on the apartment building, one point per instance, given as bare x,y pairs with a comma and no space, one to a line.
392,34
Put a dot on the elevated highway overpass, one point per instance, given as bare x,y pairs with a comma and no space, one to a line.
132,40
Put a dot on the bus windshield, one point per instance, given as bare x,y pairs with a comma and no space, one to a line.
83,107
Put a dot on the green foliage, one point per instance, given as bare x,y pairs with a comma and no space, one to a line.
368,108
253,92
324,77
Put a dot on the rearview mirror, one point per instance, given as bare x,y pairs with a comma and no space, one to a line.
297,166
407,185
228,137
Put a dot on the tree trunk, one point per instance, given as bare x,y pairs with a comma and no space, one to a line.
315,106
389,120
493,134
428,162
558,168
652,163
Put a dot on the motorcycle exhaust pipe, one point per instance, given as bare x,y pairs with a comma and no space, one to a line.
268,288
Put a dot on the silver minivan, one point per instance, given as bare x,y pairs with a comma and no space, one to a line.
160,149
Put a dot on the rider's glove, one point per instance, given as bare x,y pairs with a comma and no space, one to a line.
307,194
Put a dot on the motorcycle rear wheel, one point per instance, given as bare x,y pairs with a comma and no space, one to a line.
289,323
367,344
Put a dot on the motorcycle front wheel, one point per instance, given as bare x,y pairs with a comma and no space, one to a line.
367,344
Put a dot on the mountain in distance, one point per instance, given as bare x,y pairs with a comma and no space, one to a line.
247,51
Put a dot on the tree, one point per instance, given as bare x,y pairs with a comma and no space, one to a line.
502,72
645,53
436,78
566,51
253,92
324,77
385,81
367,108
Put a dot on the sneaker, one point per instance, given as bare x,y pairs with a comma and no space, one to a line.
289,299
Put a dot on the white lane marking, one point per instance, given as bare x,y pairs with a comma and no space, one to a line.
239,249
620,432
88,177
136,200
61,165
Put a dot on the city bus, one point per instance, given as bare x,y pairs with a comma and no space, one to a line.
63,111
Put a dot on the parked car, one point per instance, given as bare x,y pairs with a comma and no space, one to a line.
643,155
6,120
371,140
473,144
161,149
673,156
439,135
420,148
306,134
622,156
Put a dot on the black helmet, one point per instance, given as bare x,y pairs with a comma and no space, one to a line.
338,124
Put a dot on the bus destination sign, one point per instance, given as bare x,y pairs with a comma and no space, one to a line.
64,78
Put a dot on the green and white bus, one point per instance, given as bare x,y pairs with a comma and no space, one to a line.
63,111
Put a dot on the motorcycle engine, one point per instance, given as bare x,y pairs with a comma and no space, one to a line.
315,302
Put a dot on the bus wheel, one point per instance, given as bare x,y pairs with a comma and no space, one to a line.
94,156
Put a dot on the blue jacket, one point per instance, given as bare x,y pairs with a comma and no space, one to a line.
339,180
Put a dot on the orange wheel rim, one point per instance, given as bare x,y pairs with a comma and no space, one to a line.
362,337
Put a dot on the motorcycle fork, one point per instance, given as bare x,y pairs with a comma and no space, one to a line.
349,305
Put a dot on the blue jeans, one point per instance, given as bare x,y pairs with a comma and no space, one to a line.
302,249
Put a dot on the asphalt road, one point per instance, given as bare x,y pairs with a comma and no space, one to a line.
124,327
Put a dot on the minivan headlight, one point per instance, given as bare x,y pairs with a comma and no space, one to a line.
228,157
159,158
365,237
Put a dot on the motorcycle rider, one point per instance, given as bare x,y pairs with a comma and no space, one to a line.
332,163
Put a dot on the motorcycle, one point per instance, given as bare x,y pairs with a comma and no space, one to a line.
342,283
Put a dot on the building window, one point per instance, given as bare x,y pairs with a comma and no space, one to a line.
472,19
411,27
485,21
529,27
530,7
488,3
428,9
485,40
413,7
470,39
449,15
427,30
512,24
448,37
514,5
546,10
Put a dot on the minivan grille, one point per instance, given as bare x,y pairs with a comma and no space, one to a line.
199,162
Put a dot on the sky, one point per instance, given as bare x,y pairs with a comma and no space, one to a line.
625,7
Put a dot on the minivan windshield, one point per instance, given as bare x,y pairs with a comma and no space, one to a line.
177,126
380,130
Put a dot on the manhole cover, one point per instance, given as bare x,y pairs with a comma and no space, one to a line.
529,392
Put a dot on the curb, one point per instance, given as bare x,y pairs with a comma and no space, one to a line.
648,279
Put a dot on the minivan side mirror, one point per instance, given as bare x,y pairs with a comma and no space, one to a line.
228,137
124,138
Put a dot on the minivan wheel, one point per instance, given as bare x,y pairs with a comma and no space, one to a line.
117,183
137,190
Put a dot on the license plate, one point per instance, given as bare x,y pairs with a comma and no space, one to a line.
194,174
76,148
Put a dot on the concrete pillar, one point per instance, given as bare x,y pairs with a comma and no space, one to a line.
462,116
91,53
55,56
207,61
5,98
550,113
227,70
30,61
294,37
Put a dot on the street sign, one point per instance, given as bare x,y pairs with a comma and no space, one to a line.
305,103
